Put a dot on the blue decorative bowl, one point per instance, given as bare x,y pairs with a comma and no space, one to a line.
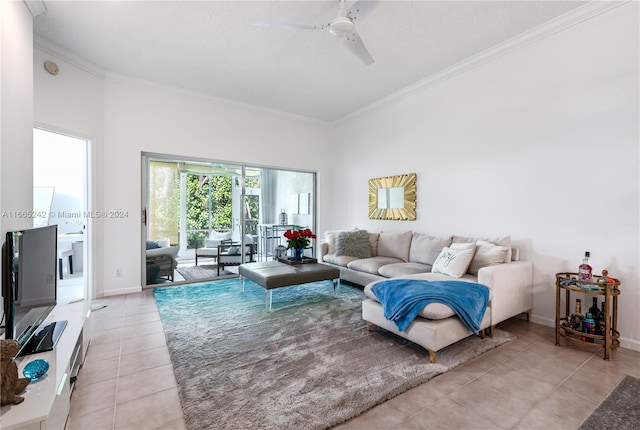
36,369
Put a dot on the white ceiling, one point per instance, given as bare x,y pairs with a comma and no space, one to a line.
214,48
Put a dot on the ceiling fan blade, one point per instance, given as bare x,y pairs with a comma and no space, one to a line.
360,9
289,25
354,44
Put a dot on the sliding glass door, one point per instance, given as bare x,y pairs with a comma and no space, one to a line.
200,215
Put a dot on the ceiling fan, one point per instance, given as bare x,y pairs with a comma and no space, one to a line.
342,26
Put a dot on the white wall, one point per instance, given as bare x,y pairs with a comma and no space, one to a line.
142,118
124,118
16,115
541,143
73,102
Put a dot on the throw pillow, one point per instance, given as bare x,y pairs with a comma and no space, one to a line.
454,261
330,238
425,248
353,243
233,250
152,245
501,241
216,235
487,254
163,243
395,245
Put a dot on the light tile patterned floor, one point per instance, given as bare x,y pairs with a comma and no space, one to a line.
127,381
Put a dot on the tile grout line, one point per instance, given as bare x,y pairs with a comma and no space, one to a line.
557,386
115,398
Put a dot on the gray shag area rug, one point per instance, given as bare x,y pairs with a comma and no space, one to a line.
309,364
192,273
619,410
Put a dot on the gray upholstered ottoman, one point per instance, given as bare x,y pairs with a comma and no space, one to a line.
273,274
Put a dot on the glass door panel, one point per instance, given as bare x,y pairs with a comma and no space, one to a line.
192,206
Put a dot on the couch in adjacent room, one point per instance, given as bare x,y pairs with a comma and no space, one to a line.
161,260
366,258
221,247
211,243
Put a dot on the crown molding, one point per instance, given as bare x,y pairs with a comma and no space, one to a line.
549,28
61,53
36,7
126,80
68,56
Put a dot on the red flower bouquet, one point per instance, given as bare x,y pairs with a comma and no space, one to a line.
297,239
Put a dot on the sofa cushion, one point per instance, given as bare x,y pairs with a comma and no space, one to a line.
395,245
402,269
487,254
373,241
425,249
372,265
216,238
330,239
454,260
354,243
501,241
167,250
432,311
338,260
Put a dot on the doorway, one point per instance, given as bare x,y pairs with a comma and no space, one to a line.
60,182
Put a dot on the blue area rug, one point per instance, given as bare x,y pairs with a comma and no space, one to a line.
309,364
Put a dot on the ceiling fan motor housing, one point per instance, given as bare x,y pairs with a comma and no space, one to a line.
341,26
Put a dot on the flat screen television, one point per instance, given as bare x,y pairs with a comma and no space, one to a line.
29,288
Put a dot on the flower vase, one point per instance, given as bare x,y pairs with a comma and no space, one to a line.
298,253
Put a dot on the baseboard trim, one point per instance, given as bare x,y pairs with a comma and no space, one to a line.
625,342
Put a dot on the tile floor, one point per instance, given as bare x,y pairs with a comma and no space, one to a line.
127,381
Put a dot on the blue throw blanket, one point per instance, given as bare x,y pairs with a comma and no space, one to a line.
403,299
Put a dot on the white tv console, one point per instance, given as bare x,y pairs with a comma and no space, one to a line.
46,402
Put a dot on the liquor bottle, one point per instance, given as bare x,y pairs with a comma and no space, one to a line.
588,326
601,328
584,270
594,310
577,317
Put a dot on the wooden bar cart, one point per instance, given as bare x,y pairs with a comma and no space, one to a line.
599,286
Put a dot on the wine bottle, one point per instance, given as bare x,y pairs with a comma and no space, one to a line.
577,317
594,310
601,328
584,270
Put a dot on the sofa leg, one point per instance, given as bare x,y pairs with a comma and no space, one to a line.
528,315
432,356
368,324
482,333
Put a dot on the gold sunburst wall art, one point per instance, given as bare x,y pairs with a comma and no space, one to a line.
393,197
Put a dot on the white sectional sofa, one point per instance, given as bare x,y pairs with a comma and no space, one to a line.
408,255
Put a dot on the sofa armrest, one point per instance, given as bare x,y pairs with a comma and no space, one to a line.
511,287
